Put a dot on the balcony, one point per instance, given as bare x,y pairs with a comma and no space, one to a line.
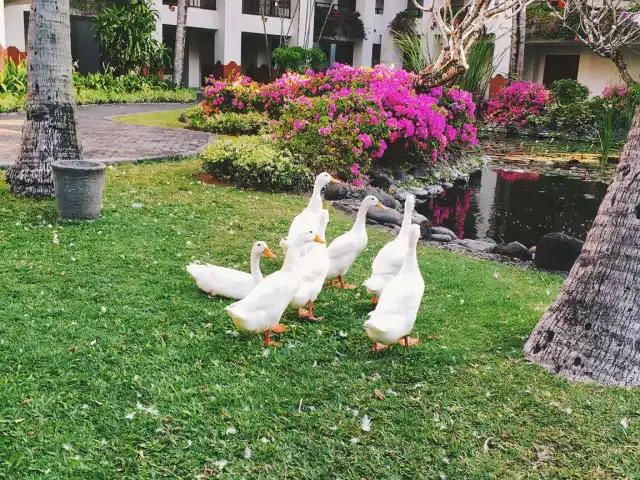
268,8
204,4
349,7
340,22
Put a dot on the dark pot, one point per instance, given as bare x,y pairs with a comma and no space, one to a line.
78,186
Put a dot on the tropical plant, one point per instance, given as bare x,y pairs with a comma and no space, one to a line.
606,128
298,59
13,79
126,35
567,91
481,68
416,55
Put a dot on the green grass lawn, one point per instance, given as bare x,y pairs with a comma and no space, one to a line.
114,365
166,118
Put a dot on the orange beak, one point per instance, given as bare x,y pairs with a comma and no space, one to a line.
380,205
318,240
269,253
334,180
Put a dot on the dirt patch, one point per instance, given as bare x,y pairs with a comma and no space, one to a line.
211,179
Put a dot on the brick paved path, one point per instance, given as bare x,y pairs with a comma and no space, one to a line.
111,142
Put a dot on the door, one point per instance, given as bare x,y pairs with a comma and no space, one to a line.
558,67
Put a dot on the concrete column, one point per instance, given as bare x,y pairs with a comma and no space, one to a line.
363,51
14,35
389,52
157,6
228,41
302,29
501,28
195,74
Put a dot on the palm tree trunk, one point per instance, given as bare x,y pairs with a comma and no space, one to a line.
50,130
592,330
181,36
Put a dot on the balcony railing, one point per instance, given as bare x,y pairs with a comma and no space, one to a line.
268,8
350,8
204,4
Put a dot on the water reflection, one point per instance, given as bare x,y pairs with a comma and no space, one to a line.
517,206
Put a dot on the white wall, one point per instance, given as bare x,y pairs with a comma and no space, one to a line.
593,71
14,26
3,40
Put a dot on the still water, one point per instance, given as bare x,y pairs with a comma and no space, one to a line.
515,206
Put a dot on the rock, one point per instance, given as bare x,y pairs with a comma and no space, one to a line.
461,180
183,118
336,191
419,172
588,196
477,245
557,251
489,240
447,185
386,199
381,179
435,190
385,216
399,175
418,219
436,237
515,250
438,234
401,195
419,192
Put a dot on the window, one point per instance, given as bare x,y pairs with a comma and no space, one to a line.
559,67
379,7
377,53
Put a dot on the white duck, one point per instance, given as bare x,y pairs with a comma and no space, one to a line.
344,250
312,268
261,310
228,282
309,218
389,259
396,312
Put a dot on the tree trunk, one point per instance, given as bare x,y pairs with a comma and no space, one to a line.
592,330
181,36
518,35
50,130
622,67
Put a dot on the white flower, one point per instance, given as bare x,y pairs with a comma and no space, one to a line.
548,293
130,416
436,417
56,238
231,431
264,440
495,275
624,422
355,413
103,309
220,464
247,453
366,423
354,440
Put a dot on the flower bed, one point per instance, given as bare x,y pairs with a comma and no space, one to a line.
345,118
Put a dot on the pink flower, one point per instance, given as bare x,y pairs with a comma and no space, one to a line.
365,139
355,169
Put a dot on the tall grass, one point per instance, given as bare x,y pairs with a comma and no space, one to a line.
415,50
606,125
481,68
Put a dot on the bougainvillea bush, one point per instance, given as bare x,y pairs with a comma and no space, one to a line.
347,117
517,104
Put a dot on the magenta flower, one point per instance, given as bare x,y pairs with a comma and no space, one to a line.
355,169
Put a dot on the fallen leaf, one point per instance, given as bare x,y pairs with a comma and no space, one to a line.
379,395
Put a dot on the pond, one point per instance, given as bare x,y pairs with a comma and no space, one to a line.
517,206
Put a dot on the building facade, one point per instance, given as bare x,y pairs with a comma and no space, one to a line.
228,35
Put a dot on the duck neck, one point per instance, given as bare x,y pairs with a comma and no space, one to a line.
410,263
406,220
293,255
315,204
256,274
361,217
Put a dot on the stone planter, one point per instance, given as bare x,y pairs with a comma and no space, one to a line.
78,186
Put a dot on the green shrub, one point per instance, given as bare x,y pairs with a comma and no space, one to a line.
298,59
575,118
90,97
11,103
13,79
258,163
568,91
228,123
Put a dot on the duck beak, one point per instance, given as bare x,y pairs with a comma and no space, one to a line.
269,253
381,206
318,240
334,180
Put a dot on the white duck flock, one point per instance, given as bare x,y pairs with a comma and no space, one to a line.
396,311
260,311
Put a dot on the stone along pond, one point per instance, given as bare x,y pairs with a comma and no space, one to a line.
508,206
